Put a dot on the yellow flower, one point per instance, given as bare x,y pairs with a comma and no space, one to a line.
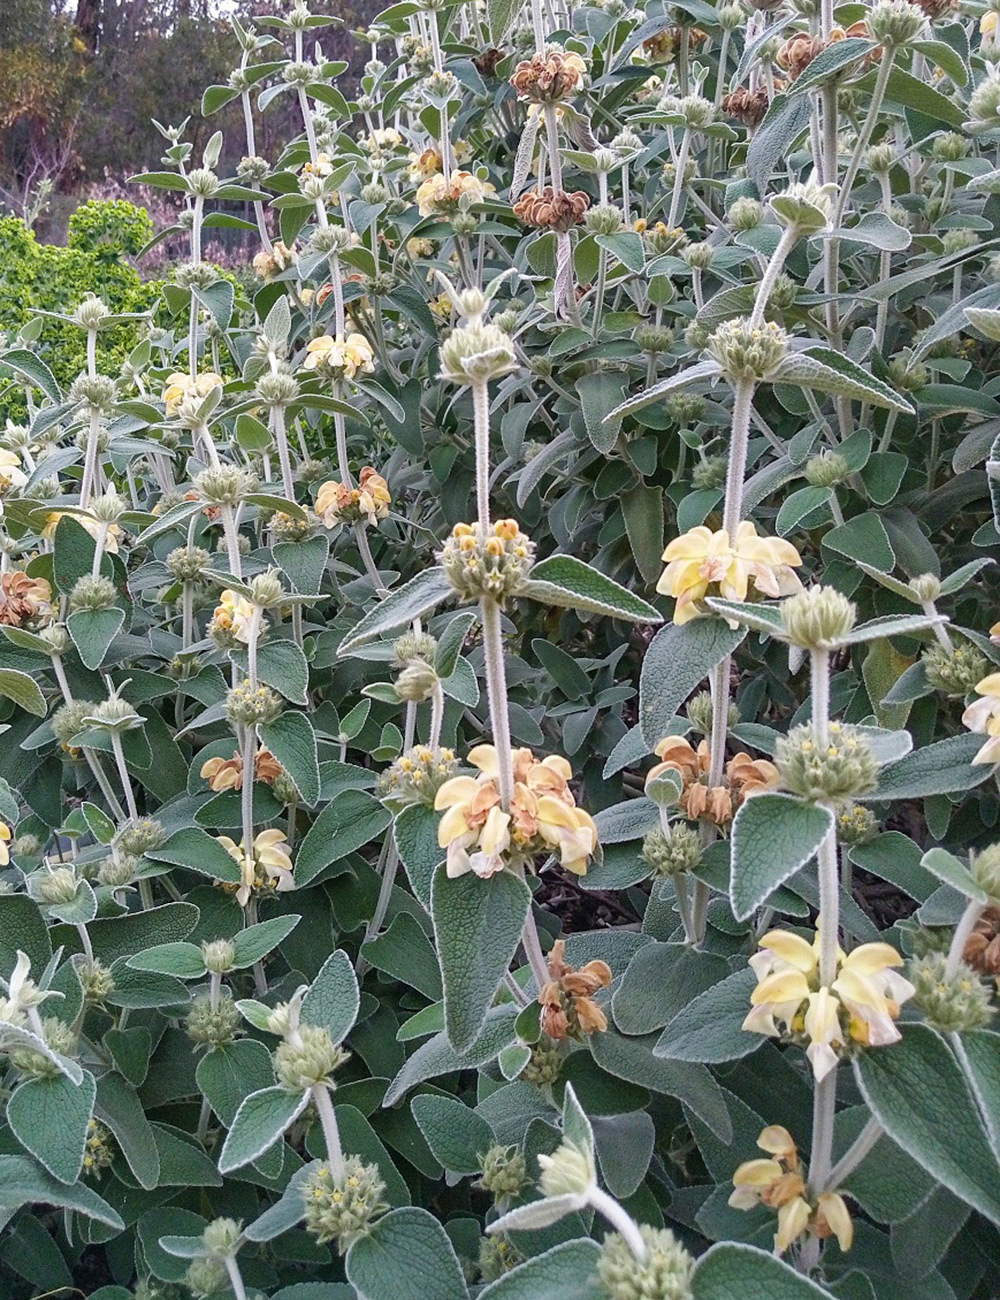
323,166
383,138
345,357
233,614
988,24
180,385
437,195
543,816
5,837
92,526
369,501
983,716
861,1005
268,866
11,473
702,559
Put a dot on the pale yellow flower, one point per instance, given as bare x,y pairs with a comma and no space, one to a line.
346,357
268,866
988,24
368,502
983,716
87,522
5,838
702,560
439,196
11,473
179,386
233,614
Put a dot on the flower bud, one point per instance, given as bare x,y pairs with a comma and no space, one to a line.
58,885
57,639
805,206
416,682
277,389
604,219
96,981
92,593
247,705
745,214
416,776
218,955
569,1171
495,563
654,339
710,472
187,562
880,158
341,1209
225,486
504,1172
59,1037
950,147
856,824
544,1065
290,528
926,588
843,770
895,22
665,1273
748,352
92,313
147,833
96,391
206,1276
475,353
98,1152
117,872
68,720
698,256
685,409
202,182
817,618
266,590
420,646
497,1256
673,854
955,671
210,1026
985,868
699,712
309,1060
221,1237
955,1003
826,469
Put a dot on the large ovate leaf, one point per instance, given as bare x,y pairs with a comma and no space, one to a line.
49,1117
565,580
677,661
406,1256
774,836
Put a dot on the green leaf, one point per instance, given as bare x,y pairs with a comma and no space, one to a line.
678,659
101,826
23,690
451,641
118,1106
774,836
198,851
564,580
92,631
303,563
832,372
939,862
414,833
733,1270
292,741
786,118
642,508
566,1272
22,1183
184,960
477,924
600,393
227,1075
333,998
32,370
457,1136
978,1053
413,600
281,665
863,538
345,824
831,63
256,941
919,1094
405,953
908,91
258,1124
942,768
406,1256
49,1117
500,18
799,505
660,981
709,1029
703,370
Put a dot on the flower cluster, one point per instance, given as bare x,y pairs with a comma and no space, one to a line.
549,77
495,562
703,563
744,776
180,387
340,358
367,503
416,776
232,617
440,196
266,868
543,817
860,1007
24,601
568,1008
550,209
983,717
227,773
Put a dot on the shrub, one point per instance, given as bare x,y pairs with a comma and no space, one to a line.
499,791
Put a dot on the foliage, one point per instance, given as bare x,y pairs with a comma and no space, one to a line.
498,795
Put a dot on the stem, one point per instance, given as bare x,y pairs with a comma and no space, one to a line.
878,95
743,391
960,938
368,560
684,907
232,541
235,1277
826,857
246,788
284,459
331,1133
552,139
824,1109
533,951
90,460
496,691
788,240
620,1220
854,1154
940,632
253,634
119,753
679,169
437,716
481,421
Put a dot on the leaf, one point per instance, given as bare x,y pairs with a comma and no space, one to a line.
660,981
709,1029
118,1106
23,690
911,92
564,580
404,952
406,1256
774,836
863,538
228,1074
49,1117
677,661
477,924
184,960
22,1183
281,665
939,862
256,941
92,631
333,998
353,818
919,1094
413,600
692,374
832,372
33,370
451,641
258,1124
942,768
978,1052
786,118
566,1272
642,508
629,820
292,741
600,393
500,18
457,1136
198,851
733,1270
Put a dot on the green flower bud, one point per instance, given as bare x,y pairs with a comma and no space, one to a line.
817,618
416,776
805,206
221,1237
225,486
710,472
746,351
91,313
92,593
115,714
202,182
957,241
984,105
731,17
96,391
955,672
96,981
289,528
544,1065
464,223
210,1026
477,352
196,275
881,158
497,1256
504,1172
697,336
492,563
699,712
57,885
846,768
147,833
59,1037
341,1209
26,846
950,147
218,955
950,1003
68,720
985,868
926,588
665,1273
416,682
247,705
895,22
205,1276
117,872
569,1171
308,1059
603,219
698,256
57,639
187,562
745,214
266,590
827,469
98,1153
654,338
685,409
277,390
783,294
856,824
420,646
673,854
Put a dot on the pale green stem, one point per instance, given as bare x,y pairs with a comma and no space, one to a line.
684,908
101,538
481,426
437,715
126,780
253,635
940,631
620,1220
853,1156
331,1133
235,1278
246,789
496,691
90,460
679,169
824,1110
232,541
743,390
367,559
788,240
861,144
284,458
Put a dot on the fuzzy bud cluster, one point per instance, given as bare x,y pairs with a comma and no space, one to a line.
748,352
817,618
951,1003
493,562
664,1274
954,671
247,705
674,854
843,769
342,1208
307,1058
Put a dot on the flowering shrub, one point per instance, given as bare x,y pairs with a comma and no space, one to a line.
501,703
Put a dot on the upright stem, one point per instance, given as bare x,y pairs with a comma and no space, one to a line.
126,780
481,424
246,788
679,169
437,716
743,390
786,243
331,1133
496,691
235,1278
232,540
824,1110
620,1220
854,1154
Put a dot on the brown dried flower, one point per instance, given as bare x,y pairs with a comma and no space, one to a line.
568,1009
551,209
